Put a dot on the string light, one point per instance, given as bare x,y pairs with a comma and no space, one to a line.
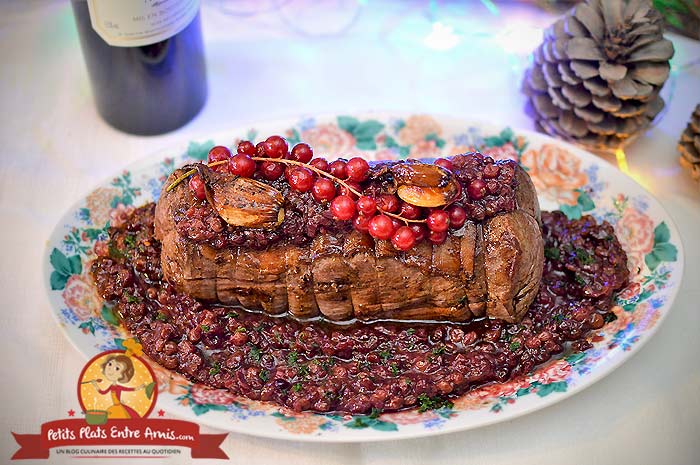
622,161
441,37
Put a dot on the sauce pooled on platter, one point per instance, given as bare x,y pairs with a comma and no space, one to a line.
386,365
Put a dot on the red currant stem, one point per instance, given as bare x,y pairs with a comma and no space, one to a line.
399,217
190,173
338,180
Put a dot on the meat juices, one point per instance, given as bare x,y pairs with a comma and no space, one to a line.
355,368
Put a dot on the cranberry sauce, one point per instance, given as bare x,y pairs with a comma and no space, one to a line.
487,188
357,368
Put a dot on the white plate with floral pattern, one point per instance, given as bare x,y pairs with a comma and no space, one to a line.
566,177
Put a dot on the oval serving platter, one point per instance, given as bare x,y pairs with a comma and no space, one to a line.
566,177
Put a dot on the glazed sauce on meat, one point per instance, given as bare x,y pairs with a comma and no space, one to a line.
305,217
355,368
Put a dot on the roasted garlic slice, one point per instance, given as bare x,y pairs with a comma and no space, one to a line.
424,185
242,201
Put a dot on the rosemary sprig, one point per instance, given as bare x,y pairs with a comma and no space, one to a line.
189,173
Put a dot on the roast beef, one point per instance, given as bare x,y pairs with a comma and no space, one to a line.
490,267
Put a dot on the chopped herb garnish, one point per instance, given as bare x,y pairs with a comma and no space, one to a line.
579,280
609,317
279,339
130,241
254,353
215,368
410,331
241,329
264,375
296,387
131,298
115,252
375,412
559,318
439,350
432,403
385,355
303,371
259,328
232,314
515,345
205,328
394,369
552,253
292,358
584,257
161,316
364,364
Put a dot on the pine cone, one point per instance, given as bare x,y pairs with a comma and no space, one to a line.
595,80
689,144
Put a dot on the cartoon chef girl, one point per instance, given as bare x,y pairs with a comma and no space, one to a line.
118,369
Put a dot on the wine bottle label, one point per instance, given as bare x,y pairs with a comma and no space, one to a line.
134,23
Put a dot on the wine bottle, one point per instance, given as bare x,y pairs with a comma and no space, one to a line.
145,60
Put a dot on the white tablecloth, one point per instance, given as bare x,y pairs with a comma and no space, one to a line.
456,59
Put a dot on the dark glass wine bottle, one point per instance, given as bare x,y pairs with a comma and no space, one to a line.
145,89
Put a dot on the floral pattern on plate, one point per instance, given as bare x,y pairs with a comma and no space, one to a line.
566,178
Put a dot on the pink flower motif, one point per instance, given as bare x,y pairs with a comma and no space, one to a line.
555,172
425,149
630,291
119,215
645,316
99,204
417,127
329,140
204,395
558,370
636,233
101,248
80,295
409,417
504,152
306,423
623,319
485,395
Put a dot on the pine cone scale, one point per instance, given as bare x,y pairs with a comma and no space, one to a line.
689,145
590,19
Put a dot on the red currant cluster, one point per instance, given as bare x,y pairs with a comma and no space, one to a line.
384,217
